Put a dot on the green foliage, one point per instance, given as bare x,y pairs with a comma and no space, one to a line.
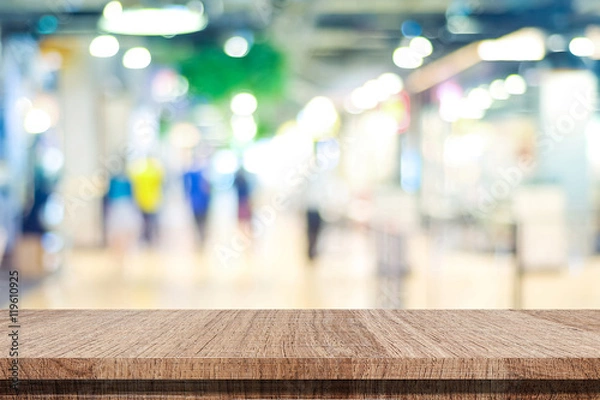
213,74
215,77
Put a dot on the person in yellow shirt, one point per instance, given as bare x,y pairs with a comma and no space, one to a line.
147,177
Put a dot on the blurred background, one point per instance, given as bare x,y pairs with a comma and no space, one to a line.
300,153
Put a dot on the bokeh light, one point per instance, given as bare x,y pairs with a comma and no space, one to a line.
411,28
47,24
582,47
244,104
421,46
104,46
318,117
236,46
137,58
37,121
244,128
498,90
391,82
112,9
405,57
515,84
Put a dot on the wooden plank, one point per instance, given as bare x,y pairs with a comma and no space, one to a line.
574,320
187,345
219,390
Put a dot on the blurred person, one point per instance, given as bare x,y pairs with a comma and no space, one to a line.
198,192
314,220
242,189
41,190
3,231
3,243
4,222
123,220
147,177
29,252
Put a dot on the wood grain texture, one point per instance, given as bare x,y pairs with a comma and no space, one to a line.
307,345
358,389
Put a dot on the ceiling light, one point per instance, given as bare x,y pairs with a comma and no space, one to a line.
406,58
392,82
321,110
243,104
515,84
236,46
582,47
37,121
480,98
137,58
498,91
319,116
463,25
112,10
167,21
527,44
104,46
421,46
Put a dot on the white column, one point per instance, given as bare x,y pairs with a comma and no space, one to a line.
84,176
567,103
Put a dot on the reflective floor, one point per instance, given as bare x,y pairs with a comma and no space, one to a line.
271,274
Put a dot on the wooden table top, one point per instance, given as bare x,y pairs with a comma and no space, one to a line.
311,344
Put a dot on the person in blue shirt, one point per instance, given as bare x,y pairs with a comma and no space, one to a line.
119,187
123,219
198,193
